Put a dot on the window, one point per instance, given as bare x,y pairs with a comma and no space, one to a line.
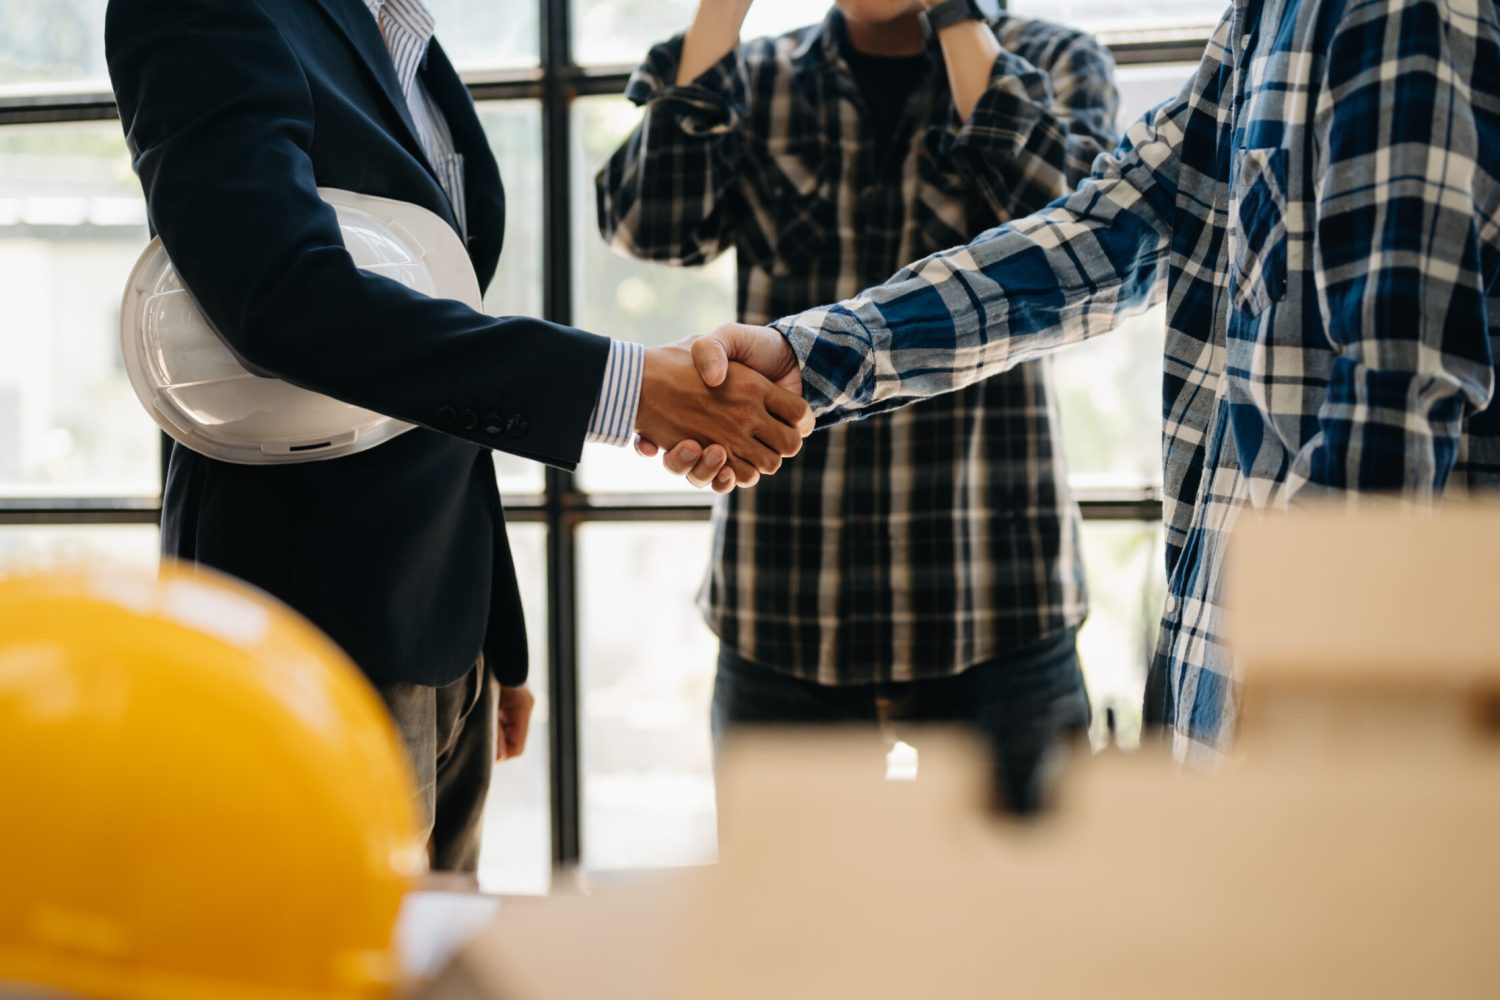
515,131
71,225
618,774
47,546
485,35
620,31
516,852
1107,16
52,45
647,668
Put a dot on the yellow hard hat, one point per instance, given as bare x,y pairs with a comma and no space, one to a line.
199,796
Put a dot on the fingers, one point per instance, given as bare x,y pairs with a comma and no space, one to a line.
709,466
792,409
514,735
711,358
724,481
785,432
682,458
745,474
513,722
644,448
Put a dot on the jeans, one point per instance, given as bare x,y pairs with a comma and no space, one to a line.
1025,705
449,734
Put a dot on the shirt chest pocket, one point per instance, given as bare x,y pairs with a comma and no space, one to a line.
1258,207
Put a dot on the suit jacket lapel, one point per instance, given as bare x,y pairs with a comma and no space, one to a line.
354,20
483,192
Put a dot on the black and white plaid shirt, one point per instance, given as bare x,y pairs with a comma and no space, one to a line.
914,544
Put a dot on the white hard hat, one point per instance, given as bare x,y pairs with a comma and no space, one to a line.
200,394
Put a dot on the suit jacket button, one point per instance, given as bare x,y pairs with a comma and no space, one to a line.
494,424
470,420
516,426
447,416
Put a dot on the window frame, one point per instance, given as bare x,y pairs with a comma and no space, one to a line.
556,82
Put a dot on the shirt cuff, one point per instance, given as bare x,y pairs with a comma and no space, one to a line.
613,419
713,104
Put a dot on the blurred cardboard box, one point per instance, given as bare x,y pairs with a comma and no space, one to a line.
1348,851
1368,628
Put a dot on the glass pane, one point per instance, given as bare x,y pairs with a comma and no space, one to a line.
515,132
647,667
72,223
1124,564
516,858
1109,390
631,299
52,44
26,548
484,34
1112,15
1144,87
59,44
620,31
1108,394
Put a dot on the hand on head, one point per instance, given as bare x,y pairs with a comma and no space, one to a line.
732,400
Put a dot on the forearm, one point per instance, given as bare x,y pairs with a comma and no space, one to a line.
1037,126
665,195
714,33
1017,292
969,52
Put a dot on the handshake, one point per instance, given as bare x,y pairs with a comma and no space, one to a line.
726,407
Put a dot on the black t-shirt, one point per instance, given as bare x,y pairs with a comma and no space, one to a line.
885,84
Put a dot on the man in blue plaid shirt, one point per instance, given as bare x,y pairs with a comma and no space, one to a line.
1320,209
923,565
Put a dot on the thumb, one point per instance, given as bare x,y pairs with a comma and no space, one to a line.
711,358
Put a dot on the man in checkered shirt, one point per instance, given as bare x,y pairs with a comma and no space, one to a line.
923,565
1320,210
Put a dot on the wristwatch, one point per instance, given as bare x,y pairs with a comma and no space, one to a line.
951,12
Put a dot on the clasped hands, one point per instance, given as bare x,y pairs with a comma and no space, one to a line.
727,406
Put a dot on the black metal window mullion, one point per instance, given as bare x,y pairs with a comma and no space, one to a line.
562,539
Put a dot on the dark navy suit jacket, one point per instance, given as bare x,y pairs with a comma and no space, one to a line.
236,111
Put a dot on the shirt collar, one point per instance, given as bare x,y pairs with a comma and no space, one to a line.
412,15
823,47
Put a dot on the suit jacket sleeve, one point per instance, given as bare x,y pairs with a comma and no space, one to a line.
219,118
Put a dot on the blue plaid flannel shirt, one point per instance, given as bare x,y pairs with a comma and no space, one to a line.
1320,210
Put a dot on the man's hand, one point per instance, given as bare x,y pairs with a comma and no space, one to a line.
757,347
740,413
514,720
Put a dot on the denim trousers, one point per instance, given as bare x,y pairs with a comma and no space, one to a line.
1026,705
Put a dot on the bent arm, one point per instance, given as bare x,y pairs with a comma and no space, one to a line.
219,118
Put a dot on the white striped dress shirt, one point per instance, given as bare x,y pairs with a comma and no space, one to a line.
407,27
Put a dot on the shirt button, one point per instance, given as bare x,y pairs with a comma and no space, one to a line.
1171,604
470,420
517,426
447,416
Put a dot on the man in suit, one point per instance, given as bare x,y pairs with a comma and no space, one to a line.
235,112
